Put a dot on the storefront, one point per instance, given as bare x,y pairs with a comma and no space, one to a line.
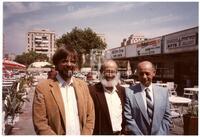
181,68
174,55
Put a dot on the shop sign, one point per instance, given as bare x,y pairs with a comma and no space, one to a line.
188,40
131,51
117,52
107,54
149,47
181,41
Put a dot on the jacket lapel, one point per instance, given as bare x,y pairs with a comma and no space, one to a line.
102,99
55,90
140,102
79,98
121,94
157,106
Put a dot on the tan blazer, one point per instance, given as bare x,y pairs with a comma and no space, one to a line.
48,108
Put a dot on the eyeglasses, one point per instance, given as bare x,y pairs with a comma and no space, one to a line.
66,61
110,72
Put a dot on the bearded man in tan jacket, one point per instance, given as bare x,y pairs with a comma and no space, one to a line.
63,105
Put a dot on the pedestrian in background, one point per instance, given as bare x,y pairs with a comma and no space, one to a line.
63,105
52,74
108,97
147,110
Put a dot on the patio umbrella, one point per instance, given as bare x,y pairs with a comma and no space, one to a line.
39,64
12,65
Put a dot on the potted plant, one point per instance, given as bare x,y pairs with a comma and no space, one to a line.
190,119
13,104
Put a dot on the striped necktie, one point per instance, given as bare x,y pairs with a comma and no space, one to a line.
149,105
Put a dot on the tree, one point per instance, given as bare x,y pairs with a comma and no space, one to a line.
83,41
30,57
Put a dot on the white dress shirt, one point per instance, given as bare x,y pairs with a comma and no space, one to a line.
70,104
115,108
144,93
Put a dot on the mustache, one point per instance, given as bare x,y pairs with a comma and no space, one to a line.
111,83
67,68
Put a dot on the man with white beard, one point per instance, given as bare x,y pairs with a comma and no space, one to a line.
108,97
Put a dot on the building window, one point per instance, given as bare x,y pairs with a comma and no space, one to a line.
164,70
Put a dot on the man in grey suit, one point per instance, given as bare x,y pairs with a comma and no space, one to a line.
147,110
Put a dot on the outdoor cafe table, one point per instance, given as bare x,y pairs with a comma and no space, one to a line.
194,90
7,83
125,85
177,100
161,84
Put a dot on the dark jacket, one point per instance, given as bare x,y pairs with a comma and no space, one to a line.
103,124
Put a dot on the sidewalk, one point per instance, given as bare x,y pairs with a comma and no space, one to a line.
25,125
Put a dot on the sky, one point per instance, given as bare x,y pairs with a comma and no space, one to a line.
116,20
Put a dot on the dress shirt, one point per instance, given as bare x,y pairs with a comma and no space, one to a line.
144,93
70,104
115,108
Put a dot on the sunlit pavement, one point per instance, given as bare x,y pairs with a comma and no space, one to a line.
25,125
177,128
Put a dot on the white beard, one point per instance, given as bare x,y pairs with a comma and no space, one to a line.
111,83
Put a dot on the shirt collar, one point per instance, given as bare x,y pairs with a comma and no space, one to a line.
108,91
143,87
62,82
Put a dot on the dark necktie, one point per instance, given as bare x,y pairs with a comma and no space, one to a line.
149,105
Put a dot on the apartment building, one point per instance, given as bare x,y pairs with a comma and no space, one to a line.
41,41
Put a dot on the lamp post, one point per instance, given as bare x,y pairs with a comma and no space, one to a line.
95,58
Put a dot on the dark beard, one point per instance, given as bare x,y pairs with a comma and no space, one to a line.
66,74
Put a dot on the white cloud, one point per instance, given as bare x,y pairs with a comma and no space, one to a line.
82,13
89,12
27,7
18,8
156,20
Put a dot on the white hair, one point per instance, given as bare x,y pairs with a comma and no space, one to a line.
111,83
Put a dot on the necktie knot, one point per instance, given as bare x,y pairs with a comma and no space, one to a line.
147,90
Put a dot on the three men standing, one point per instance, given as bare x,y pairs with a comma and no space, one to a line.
63,105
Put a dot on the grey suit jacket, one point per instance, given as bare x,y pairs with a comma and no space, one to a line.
136,115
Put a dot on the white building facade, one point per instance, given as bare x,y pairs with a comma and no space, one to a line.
41,41
132,39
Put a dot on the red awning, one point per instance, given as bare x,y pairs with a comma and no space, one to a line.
12,65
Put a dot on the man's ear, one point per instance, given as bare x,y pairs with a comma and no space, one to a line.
135,72
154,72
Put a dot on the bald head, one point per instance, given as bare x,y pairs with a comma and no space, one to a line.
147,64
146,72
107,64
